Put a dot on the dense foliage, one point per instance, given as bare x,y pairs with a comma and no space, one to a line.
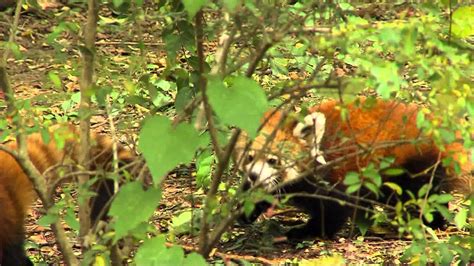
196,72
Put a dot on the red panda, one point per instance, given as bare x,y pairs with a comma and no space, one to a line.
17,192
284,157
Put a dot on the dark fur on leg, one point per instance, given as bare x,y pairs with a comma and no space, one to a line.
14,255
101,202
327,218
260,208
413,180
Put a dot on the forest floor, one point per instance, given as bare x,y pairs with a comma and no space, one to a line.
31,79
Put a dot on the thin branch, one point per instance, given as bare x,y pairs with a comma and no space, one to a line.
203,83
225,40
86,85
257,57
210,240
430,186
14,27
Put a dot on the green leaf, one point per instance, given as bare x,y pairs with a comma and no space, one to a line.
390,35
463,21
423,190
249,206
428,216
70,219
444,198
132,206
154,252
55,79
14,48
394,187
353,188
172,45
182,223
117,3
448,135
48,219
194,259
193,6
363,223
387,78
183,97
447,256
351,178
373,175
204,163
231,5
420,119
460,220
409,40
394,171
443,209
387,162
372,187
165,146
242,104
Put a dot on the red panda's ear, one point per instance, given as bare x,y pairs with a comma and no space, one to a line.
311,131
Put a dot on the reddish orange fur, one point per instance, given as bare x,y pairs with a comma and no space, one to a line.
16,190
371,127
286,153
16,194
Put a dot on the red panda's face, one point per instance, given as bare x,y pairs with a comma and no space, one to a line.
282,151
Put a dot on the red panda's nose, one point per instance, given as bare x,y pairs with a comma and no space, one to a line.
253,177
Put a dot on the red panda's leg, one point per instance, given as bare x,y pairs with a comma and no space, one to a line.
327,218
260,208
11,230
14,254
100,203
105,190
413,180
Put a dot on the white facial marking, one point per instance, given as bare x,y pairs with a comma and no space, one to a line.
317,121
297,131
266,174
292,173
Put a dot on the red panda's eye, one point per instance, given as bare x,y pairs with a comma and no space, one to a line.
249,158
272,161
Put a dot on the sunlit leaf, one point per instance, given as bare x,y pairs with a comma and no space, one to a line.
242,104
132,206
463,21
388,79
351,178
394,171
193,6
154,252
460,219
194,259
395,187
164,146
